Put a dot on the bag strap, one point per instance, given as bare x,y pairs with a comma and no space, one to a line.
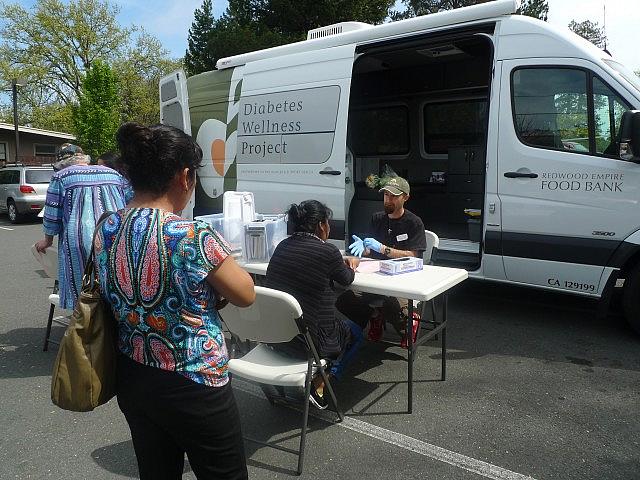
89,265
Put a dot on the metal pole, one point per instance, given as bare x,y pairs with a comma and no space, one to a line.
14,90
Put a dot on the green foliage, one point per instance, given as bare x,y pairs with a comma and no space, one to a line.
416,8
139,74
97,116
249,25
54,43
535,8
590,31
198,57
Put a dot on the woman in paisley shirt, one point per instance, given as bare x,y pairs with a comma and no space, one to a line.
165,278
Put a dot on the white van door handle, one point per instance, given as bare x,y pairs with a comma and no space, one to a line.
328,171
520,175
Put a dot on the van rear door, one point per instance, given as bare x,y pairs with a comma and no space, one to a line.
567,199
292,127
174,111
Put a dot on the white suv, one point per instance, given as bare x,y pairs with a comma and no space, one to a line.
23,190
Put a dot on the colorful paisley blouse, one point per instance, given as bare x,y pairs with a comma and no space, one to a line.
152,267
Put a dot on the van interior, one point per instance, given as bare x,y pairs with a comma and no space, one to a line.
420,107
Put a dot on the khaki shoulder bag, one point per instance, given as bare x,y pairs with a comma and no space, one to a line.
84,374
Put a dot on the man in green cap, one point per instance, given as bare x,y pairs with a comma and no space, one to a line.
394,233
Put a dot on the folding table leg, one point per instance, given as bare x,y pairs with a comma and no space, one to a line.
444,338
409,331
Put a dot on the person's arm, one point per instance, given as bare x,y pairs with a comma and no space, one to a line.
339,271
397,253
232,283
53,211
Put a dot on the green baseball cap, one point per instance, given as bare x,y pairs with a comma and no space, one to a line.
395,186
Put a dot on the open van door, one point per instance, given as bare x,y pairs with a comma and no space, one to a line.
292,128
174,111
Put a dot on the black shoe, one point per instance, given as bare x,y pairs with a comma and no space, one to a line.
318,400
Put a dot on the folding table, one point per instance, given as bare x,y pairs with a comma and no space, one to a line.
421,286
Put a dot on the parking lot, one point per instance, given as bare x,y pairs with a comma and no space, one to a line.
537,387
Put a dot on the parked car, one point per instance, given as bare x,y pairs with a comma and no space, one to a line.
23,190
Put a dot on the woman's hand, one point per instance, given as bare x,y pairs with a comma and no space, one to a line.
352,262
42,245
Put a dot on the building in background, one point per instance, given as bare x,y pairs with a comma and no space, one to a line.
36,146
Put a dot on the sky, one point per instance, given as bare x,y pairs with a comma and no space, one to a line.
169,20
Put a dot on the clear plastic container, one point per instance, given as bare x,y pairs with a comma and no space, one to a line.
239,205
230,228
262,236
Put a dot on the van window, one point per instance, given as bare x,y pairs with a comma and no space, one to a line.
453,123
3,151
550,108
380,131
608,110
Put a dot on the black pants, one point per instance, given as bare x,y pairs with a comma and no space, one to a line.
170,415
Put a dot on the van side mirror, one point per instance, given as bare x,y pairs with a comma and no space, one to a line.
630,136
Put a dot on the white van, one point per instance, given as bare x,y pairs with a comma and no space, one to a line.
484,112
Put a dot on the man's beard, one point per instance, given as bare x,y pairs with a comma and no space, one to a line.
388,209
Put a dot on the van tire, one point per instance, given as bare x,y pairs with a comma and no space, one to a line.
631,298
12,212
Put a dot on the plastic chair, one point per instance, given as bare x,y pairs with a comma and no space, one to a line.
276,317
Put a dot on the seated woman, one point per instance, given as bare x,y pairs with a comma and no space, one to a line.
305,266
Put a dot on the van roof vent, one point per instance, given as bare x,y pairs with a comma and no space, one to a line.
336,29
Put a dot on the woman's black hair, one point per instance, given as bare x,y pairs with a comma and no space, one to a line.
110,159
152,156
306,216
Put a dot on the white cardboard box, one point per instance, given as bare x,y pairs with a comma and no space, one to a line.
400,265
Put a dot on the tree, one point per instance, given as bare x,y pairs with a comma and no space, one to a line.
54,43
590,31
416,8
413,8
139,74
198,57
97,116
535,8
249,25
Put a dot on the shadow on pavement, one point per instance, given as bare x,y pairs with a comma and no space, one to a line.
21,354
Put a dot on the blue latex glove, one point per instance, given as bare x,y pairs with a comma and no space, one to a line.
372,244
357,247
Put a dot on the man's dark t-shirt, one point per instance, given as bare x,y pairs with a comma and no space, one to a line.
404,233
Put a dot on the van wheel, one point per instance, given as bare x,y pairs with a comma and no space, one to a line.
631,299
12,211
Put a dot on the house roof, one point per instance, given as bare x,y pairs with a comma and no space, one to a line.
37,131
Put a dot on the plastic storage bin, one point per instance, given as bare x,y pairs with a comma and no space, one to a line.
230,228
263,236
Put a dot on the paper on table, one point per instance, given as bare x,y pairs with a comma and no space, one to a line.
48,260
368,266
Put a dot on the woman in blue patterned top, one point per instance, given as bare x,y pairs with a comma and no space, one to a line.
165,278
77,196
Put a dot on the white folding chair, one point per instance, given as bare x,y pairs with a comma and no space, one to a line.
433,242
276,317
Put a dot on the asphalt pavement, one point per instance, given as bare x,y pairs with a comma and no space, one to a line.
538,386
